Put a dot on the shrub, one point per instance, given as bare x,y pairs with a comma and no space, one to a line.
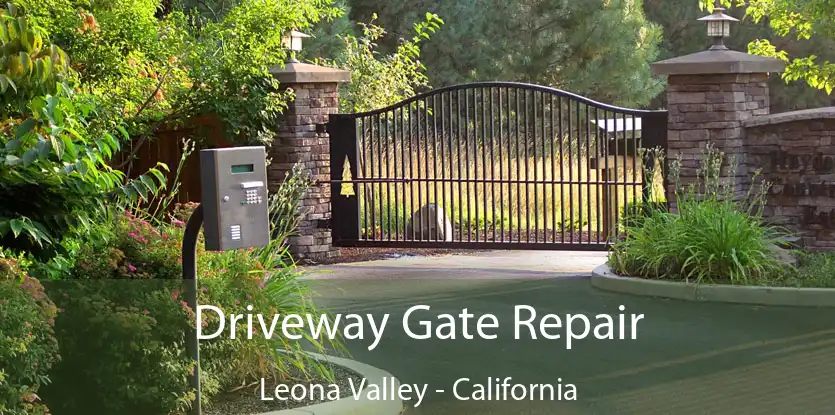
53,146
122,334
714,235
28,348
123,345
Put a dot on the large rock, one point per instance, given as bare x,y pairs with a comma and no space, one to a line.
429,223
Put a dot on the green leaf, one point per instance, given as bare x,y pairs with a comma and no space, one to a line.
30,156
81,167
17,226
44,148
12,160
12,146
25,62
69,146
158,174
57,146
25,127
149,183
104,148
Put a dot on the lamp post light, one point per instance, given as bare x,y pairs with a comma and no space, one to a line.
718,27
292,41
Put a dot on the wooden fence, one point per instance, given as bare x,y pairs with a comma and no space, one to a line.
167,147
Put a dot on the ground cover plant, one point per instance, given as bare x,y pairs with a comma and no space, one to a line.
813,270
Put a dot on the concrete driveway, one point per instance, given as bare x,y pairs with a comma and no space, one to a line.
688,358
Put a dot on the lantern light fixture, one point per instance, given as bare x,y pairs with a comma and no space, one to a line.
292,41
718,27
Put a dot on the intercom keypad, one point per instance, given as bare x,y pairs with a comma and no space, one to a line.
234,197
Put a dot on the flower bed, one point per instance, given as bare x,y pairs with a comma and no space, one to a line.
715,236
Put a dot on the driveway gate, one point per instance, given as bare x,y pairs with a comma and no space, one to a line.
490,165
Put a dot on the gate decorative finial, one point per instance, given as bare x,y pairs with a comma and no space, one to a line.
347,187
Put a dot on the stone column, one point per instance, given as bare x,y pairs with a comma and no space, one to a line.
301,140
710,94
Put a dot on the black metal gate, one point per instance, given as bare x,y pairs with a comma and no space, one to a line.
490,165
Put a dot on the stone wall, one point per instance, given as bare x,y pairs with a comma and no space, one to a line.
299,142
711,108
796,151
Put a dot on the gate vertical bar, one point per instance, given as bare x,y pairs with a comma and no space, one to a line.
493,164
516,155
468,194
501,162
587,184
553,158
435,169
536,179
387,158
345,209
396,173
579,174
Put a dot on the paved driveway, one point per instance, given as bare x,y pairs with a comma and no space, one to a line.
688,358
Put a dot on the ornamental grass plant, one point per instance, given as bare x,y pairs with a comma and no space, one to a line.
713,233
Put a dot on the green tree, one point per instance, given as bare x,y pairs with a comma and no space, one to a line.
684,34
799,19
381,80
597,48
177,60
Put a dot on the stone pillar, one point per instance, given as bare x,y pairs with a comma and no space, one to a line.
710,94
300,140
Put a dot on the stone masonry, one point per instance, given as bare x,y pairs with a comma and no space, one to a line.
711,109
300,141
710,96
796,152
720,98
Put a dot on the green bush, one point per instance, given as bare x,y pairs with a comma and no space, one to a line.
122,343
713,236
28,348
54,147
122,332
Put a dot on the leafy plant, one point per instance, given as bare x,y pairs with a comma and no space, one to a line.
179,60
51,151
29,66
380,81
28,348
714,235
799,19
126,314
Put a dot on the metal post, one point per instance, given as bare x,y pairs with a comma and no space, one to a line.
189,255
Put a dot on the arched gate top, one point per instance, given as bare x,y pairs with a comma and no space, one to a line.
516,85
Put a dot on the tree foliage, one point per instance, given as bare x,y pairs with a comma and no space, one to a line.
172,64
799,19
684,34
378,81
597,48
54,161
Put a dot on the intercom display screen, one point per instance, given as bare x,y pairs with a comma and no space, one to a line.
243,168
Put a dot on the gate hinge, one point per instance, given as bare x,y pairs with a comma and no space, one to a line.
323,224
321,128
